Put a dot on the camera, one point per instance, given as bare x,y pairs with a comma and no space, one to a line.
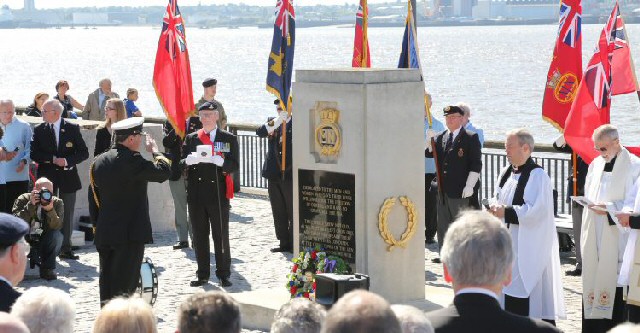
45,196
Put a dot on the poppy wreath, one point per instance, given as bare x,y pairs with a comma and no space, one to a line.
301,280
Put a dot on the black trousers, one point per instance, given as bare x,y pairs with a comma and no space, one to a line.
520,306
119,270
207,218
633,313
281,199
604,325
9,192
50,244
69,200
430,210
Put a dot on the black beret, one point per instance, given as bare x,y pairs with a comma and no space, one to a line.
12,229
209,82
453,109
209,106
276,102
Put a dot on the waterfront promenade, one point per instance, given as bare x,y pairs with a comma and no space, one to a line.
253,268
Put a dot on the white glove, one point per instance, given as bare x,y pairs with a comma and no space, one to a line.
472,179
191,160
283,115
217,160
560,141
430,135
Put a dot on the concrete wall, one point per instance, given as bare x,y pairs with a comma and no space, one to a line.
160,201
382,126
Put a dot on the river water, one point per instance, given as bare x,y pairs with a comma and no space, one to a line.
499,70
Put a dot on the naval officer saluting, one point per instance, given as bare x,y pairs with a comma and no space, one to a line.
209,188
119,180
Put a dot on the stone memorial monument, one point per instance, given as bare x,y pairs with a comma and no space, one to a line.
358,166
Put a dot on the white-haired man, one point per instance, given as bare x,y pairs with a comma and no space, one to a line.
524,201
16,141
477,256
94,108
45,310
610,178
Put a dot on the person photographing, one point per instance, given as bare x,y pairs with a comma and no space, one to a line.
43,212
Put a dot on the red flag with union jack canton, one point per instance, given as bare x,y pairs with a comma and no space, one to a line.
565,71
280,67
361,42
172,71
591,107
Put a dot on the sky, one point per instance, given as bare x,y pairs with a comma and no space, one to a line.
17,4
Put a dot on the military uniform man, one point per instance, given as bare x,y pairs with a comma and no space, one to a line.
280,188
119,180
209,86
459,162
13,258
209,188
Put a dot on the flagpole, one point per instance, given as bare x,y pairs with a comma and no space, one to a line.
574,160
283,164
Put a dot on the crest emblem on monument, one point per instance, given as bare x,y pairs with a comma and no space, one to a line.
327,134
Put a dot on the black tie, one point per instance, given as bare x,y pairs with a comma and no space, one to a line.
53,134
447,147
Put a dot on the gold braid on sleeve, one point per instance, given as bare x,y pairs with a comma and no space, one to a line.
93,184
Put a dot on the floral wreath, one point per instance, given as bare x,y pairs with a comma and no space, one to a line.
302,281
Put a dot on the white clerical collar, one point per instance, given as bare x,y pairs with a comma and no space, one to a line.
2,278
474,290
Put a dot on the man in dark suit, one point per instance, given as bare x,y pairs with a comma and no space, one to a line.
13,258
57,146
280,186
459,159
211,156
477,255
119,186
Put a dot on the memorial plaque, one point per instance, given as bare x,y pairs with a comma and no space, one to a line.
327,212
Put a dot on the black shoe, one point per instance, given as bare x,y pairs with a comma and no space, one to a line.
225,282
430,241
199,282
68,255
281,249
48,274
181,245
575,272
436,261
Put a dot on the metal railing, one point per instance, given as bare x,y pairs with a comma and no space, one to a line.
253,151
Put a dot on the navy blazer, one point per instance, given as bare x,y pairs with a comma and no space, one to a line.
465,156
8,296
273,162
71,146
480,313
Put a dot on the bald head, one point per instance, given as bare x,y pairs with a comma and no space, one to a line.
361,311
11,324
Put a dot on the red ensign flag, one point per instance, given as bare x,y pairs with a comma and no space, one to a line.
565,72
361,42
172,72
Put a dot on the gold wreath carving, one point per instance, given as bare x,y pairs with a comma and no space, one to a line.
383,224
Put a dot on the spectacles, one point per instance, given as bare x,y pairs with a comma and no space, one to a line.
48,111
604,149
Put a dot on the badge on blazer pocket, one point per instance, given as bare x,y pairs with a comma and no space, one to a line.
69,144
460,152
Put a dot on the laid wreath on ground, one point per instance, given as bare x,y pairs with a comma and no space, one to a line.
302,282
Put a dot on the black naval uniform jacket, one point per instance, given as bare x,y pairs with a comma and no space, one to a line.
8,296
201,177
454,166
273,162
71,146
172,143
119,179
480,313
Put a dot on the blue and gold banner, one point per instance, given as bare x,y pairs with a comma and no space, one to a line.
280,68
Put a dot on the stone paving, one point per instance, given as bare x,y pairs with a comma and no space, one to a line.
253,267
